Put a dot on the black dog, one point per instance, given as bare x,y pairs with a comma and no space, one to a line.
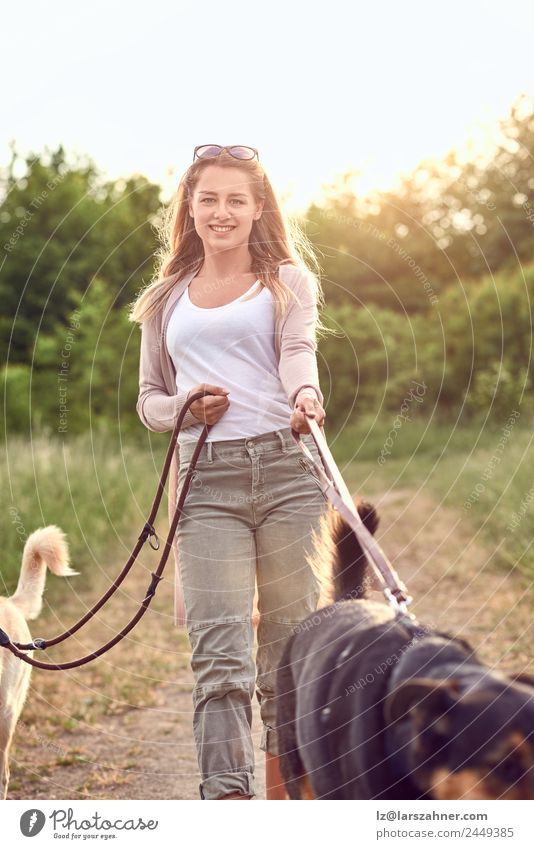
371,708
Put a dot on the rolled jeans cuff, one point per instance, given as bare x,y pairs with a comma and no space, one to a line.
227,782
269,740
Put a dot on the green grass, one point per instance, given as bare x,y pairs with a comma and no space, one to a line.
96,490
99,491
478,469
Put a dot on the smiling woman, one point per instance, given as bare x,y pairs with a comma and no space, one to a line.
219,192
223,217
235,313
222,209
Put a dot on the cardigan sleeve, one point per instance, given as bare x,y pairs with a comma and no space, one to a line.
298,346
155,407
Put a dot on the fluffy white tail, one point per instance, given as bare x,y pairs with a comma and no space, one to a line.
44,547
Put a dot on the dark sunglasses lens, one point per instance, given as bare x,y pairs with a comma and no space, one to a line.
242,152
208,150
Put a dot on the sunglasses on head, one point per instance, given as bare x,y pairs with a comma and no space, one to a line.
210,151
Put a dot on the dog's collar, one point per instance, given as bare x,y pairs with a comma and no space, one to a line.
417,632
459,652
412,625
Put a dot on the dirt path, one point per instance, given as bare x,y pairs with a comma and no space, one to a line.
121,727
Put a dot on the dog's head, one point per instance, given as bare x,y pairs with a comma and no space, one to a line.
468,739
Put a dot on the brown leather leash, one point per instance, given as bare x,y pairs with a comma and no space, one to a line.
334,488
149,533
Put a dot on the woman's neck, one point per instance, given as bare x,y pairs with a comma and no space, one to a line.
226,264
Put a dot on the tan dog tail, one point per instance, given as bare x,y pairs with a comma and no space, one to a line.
337,559
44,547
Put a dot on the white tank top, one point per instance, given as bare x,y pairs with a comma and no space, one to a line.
231,346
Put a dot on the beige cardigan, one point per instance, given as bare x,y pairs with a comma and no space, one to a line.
159,402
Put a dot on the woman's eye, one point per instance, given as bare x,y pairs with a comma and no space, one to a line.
234,200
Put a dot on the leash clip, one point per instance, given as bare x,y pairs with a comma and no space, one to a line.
399,600
147,533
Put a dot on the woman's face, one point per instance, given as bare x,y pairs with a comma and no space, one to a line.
223,207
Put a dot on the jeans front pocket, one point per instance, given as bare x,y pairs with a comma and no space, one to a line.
194,482
309,472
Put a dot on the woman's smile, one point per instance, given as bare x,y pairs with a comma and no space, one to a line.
221,228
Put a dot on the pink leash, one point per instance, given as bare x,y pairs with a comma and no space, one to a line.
337,492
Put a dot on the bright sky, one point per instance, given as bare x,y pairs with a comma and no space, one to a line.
318,88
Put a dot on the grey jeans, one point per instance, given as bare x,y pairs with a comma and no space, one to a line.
249,516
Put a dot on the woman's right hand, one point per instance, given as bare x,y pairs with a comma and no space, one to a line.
210,408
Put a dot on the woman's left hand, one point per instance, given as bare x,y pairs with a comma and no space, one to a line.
306,402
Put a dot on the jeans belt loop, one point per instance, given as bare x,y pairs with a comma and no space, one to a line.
210,451
280,436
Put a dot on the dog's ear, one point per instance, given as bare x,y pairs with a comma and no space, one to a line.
368,515
422,698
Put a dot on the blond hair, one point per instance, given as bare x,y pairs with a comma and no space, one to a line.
274,239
